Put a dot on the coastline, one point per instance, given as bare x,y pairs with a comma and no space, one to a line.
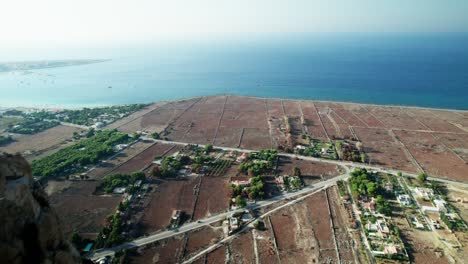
81,106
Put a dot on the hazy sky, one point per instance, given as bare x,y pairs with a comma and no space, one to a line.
59,22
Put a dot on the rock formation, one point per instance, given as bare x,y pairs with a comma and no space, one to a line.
29,228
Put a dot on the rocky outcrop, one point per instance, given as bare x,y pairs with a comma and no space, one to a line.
29,228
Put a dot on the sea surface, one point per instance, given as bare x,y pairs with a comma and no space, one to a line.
414,69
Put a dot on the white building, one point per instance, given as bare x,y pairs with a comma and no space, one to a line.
404,199
425,193
441,205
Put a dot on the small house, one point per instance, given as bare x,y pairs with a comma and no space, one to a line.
424,193
404,199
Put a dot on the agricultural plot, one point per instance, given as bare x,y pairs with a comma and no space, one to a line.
434,157
349,117
212,197
168,196
312,121
133,120
199,239
165,251
277,127
394,117
346,246
319,217
80,210
41,144
382,149
458,143
241,249
370,120
228,137
144,159
254,138
217,256
108,165
432,122
311,171
294,235
266,246
292,108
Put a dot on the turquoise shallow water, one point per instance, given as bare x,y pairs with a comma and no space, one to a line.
428,70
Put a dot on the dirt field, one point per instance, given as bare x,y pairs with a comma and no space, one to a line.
294,235
43,143
434,157
169,195
217,256
319,217
241,249
257,123
344,242
143,159
311,171
166,251
111,164
265,245
383,150
82,211
200,239
213,197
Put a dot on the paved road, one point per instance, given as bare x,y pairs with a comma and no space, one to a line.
216,218
337,162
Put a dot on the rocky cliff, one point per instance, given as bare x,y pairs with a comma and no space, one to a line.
29,228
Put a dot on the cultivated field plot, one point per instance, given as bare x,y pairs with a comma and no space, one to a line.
276,123
312,121
292,108
241,249
201,238
228,137
348,116
266,247
43,143
343,240
217,256
434,157
456,142
111,164
383,150
363,114
311,171
395,117
294,235
254,138
319,217
165,251
212,198
131,119
144,159
169,195
82,211
432,122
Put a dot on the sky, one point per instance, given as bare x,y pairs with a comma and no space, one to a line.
66,22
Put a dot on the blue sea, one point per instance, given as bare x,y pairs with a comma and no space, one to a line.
414,69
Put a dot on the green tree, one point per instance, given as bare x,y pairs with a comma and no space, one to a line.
156,135
422,177
240,201
297,172
208,148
